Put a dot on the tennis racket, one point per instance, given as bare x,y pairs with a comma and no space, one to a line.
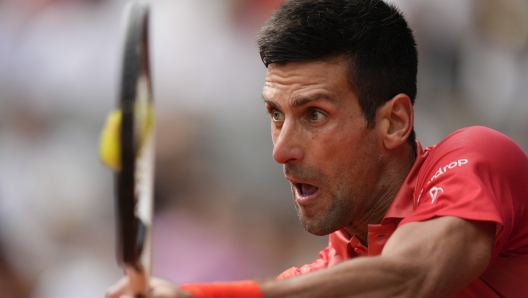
127,146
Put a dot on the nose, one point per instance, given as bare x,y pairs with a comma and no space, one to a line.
287,144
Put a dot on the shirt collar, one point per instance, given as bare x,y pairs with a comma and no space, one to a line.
347,245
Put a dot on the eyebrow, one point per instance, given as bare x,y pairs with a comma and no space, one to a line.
299,101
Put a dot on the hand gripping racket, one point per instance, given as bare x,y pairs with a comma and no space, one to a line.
127,147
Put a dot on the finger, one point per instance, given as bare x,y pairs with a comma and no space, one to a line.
119,289
160,288
137,281
164,291
156,282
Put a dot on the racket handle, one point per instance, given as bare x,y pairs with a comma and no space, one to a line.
138,282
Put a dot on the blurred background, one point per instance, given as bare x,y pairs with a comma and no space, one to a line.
223,209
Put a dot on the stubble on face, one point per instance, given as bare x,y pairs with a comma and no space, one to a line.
319,219
346,196
340,204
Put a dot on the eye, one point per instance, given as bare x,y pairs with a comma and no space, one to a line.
276,115
315,115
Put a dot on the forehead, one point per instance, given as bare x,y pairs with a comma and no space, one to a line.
300,79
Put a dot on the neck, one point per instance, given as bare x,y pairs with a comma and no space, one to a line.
396,167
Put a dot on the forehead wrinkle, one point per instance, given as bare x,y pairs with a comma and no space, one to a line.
302,100
301,86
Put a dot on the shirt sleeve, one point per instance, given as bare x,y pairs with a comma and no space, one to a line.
473,174
322,262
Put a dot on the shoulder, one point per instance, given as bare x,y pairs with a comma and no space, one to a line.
477,146
478,138
474,173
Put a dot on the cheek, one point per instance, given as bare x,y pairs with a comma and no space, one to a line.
335,144
348,152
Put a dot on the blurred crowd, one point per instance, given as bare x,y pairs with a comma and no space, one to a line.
223,210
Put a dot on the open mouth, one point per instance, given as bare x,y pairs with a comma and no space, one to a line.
304,189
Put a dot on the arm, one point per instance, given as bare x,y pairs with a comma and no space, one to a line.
433,258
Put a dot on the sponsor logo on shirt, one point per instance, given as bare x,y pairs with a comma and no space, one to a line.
435,191
451,165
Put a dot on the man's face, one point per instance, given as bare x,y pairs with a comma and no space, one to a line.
320,135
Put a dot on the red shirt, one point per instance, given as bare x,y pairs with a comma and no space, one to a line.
475,173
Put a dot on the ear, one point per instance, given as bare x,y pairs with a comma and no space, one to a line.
395,120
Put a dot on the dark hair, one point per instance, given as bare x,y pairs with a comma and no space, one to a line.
371,34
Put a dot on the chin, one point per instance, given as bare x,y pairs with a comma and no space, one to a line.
320,223
317,228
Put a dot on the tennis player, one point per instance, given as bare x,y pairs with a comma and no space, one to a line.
403,220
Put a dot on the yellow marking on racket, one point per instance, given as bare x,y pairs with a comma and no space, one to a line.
109,145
